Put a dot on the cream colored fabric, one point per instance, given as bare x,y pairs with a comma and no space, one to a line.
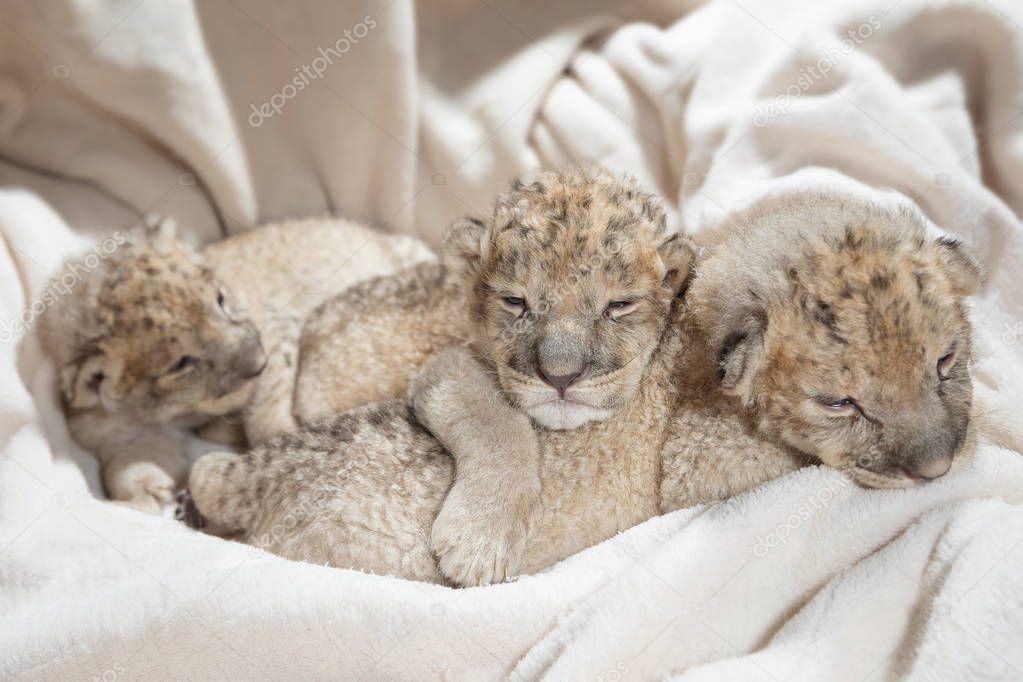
111,109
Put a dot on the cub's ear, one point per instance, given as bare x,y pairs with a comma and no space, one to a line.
464,247
159,233
741,356
961,266
678,254
81,381
160,227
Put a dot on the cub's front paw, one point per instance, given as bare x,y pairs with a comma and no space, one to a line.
476,546
144,486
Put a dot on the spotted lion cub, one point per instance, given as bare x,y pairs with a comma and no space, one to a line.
159,339
583,353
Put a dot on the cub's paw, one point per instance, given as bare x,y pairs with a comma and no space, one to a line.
480,546
143,486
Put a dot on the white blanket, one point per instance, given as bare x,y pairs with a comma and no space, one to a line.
408,116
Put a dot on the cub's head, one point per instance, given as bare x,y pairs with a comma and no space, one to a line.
149,332
854,346
571,282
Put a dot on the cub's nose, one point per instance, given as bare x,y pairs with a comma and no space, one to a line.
252,371
930,468
561,381
252,360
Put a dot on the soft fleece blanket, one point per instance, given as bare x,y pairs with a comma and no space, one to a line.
227,113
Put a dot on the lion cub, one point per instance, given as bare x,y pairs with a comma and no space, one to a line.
569,289
158,339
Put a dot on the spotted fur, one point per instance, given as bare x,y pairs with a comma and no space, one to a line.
121,330
159,338
568,244
847,302
712,415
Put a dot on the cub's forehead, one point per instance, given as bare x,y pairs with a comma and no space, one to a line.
567,257
143,263
146,283
593,237
885,311
903,285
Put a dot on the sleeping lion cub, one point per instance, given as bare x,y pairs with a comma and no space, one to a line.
591,366
158,339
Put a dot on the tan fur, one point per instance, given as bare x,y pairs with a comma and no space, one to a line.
285,270
888,326
386,328
568,244
678,440
716,446
487,516
362,346
825,299
119,335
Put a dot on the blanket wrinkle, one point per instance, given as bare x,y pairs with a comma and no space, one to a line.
934,576
410,115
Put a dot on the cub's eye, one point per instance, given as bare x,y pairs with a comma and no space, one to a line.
838,407
945,365
515,302
185,362
618,308
222,303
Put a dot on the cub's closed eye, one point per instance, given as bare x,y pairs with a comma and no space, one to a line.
619,308
945,364
515,301
185,362
222,303
837,407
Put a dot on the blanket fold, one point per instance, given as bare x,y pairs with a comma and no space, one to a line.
228,113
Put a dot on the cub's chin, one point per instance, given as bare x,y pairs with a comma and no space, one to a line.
564,415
